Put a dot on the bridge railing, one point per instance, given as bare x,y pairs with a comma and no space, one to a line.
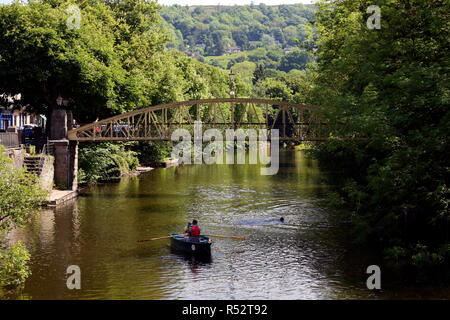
294,121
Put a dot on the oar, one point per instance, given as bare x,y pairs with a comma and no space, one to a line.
166,237
211,235
222,236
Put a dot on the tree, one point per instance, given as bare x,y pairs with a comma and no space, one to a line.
240,37
297,59
109,61
278,35
238,25
276,89
259,74
20,197
105,161
390,87
244,70
267,40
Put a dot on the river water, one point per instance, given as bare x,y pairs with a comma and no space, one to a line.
306,257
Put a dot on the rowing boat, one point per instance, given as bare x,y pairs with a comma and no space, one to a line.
192,245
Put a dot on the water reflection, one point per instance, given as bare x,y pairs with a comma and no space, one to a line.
302,258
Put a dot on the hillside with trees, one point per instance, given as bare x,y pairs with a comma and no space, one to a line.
224,36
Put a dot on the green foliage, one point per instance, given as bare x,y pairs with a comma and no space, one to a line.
297,59
114,63
20,194
245,70
14,265
390,88
275,88
104,63
271,58
218,26
20,197
259,74
153,151
395,253
104,162
261,31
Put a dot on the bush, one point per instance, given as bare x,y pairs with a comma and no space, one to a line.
20,196
150,152
104,162
14,265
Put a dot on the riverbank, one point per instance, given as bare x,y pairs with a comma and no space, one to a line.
59,197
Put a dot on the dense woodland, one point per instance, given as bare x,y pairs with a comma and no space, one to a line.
211,30
390,88
224,36
387,89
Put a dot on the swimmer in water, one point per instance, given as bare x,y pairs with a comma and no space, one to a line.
282,219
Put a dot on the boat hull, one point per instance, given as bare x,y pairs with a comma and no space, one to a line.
191,245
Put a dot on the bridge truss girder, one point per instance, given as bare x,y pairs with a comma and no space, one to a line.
296,122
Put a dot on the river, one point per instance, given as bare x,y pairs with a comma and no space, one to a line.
306,257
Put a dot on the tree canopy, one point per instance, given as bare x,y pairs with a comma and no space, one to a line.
389,87
261,32
114,62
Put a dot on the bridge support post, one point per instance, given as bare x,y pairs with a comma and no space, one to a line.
65,151
66,164
60,124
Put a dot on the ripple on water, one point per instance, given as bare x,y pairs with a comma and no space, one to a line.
298,259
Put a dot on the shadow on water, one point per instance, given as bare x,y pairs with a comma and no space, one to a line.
306,257
192,259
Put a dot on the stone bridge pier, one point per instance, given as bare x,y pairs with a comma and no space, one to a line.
65,151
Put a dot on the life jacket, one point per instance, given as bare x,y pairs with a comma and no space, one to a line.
195,231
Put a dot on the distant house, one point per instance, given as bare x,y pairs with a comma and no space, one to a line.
16,118
231,50
5,119
288,49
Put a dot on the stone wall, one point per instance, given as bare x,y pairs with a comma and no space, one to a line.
73,147
17,155
66,164
47,173
58,124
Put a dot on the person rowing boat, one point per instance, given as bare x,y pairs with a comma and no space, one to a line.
194,234
187,229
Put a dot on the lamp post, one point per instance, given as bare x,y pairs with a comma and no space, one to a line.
59,101
232,93
232,96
